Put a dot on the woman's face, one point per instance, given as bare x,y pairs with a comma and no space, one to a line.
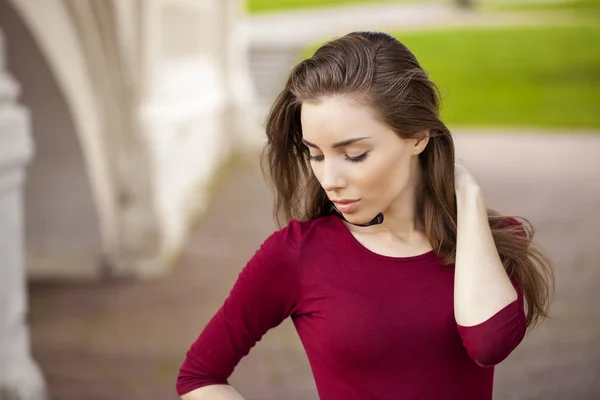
364,166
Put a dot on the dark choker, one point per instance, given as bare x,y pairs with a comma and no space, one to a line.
375,221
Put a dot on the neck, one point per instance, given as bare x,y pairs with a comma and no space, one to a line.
400,216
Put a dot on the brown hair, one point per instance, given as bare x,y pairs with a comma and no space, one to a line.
380,72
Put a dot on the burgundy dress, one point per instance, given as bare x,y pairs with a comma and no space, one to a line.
373,326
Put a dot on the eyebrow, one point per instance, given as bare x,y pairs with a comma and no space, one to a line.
338,144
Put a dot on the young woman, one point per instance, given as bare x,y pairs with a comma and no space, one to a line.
399,280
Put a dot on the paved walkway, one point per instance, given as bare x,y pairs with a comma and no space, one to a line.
125,340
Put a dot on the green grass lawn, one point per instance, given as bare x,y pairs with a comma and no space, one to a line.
544,76
261,6
547,77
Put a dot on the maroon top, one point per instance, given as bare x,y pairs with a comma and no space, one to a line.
373,326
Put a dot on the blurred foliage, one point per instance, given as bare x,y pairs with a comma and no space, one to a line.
260,6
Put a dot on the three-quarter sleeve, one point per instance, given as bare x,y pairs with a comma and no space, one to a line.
265,293
491,341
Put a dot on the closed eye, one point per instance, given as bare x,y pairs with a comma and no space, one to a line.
356,159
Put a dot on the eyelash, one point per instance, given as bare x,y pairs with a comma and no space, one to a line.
356,159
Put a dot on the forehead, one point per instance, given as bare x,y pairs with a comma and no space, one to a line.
337,118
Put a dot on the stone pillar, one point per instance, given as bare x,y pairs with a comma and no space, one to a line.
20,376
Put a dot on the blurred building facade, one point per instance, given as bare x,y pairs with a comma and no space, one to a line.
114,117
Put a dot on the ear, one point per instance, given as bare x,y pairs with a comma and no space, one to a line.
421,143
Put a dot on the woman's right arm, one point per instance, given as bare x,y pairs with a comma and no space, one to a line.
265,293
213,392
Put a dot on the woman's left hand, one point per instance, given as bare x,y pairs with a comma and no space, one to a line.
463,179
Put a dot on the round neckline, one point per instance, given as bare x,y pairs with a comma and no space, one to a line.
362,248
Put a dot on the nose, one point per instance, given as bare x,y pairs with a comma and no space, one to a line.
333,178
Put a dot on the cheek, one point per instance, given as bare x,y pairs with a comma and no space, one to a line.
388,176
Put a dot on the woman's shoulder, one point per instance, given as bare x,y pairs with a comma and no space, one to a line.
303,228
286,244
296,232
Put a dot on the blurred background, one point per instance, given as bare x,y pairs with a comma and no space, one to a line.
131,195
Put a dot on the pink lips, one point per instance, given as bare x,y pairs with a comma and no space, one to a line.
346,206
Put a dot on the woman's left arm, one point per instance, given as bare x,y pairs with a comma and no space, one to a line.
481,284
488,309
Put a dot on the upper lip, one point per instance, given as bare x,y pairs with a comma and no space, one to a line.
344,201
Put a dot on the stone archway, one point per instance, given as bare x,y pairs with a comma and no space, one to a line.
148,87
61,221
80,41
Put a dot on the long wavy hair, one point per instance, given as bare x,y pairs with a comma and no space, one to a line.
380,72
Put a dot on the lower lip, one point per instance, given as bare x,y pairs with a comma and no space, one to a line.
348,207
